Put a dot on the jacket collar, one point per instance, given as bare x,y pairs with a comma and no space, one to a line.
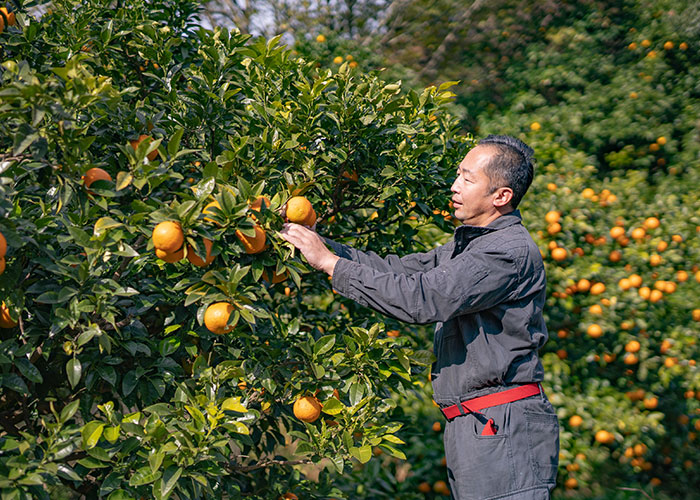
468,232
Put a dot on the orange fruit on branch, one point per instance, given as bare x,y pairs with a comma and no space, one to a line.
168,236
258,202
2,265
8,17
196,259
253,244
5,320
95,174
276,278
3,245
143,137
307,409
216,317
300,211
170,257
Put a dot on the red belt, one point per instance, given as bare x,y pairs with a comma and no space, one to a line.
498,398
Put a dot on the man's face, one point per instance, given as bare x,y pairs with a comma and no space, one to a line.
473,202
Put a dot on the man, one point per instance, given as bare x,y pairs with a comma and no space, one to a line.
485,289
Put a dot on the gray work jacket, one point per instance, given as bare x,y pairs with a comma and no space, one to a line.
485,288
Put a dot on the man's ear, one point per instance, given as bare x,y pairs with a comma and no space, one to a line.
502,197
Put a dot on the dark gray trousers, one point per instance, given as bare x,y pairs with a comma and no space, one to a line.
519,462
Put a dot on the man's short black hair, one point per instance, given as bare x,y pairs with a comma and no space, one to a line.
511,165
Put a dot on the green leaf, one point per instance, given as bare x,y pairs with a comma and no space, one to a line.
233,404
332,406
92,463
324,344
103,224
392,439
69,410
357,390
91,433
73,371
393,451
422,357
119,495
174,143
143,476
362,454
169,481
15,382
111,434
123,180
28,370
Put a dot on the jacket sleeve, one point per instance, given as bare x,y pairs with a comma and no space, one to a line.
471,282
409,264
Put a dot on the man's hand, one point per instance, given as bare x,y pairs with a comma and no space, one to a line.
311,246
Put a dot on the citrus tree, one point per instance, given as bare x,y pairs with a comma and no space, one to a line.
158,338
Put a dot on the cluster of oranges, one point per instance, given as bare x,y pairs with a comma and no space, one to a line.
7,18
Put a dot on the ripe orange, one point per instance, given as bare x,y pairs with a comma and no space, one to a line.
8,17
682,276
554,228
392,333
597,288
575,421
253,244
655,295
424,487
651,403
535,126
168,236
338,59
654,260
210,210
616,232
624,284
196,259
644,292
695,313
571,483
594,331
216,317
630,359
552,216
632,346
299,210
661,246
289,496
559,254
615,256
604,437
135,144
635,280
95,174
583,285
437,426
321,38
3,245
307,409
170,257
639,233
5,320
352,175
595,309
668,45
2,265
441,488
276,278
257,203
